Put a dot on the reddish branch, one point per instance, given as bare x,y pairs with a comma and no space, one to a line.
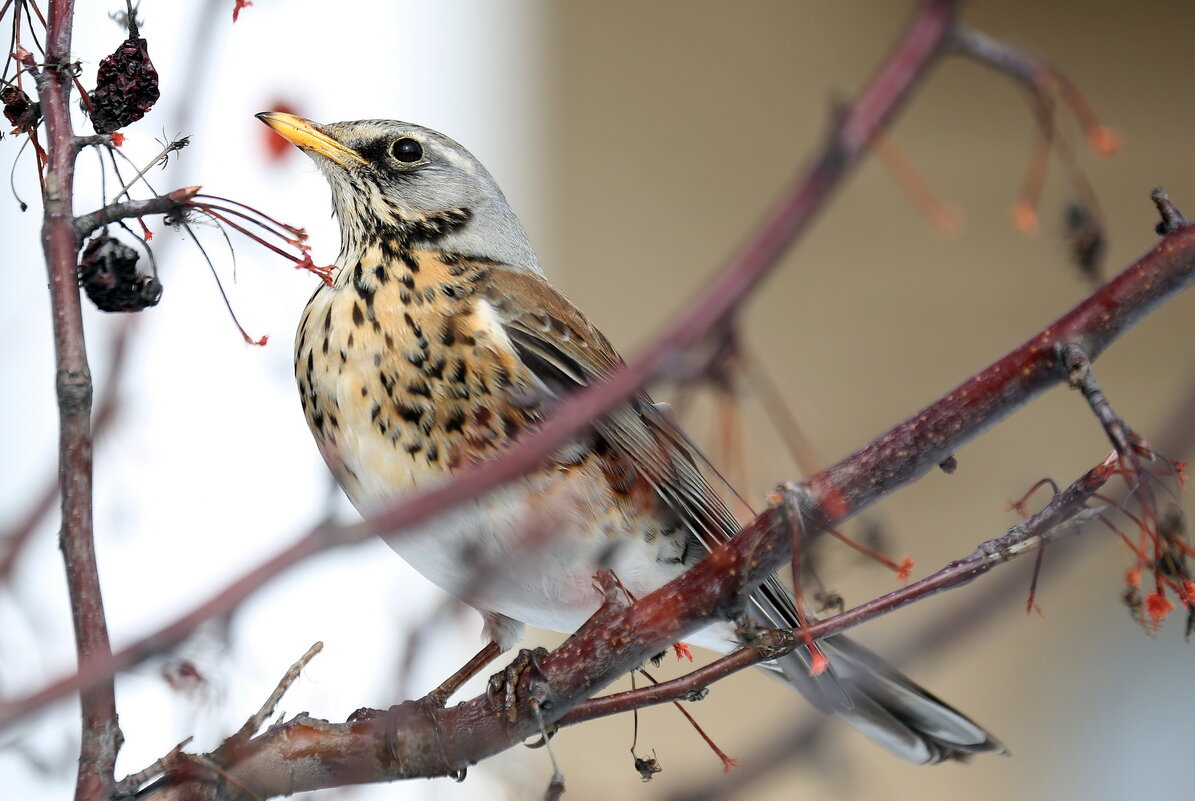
360,750
412,740
618,639
101,737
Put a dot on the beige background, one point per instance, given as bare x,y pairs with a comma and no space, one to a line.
676,124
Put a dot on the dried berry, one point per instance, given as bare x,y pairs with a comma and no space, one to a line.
126,87
647,766
22,112
1085,236
108,274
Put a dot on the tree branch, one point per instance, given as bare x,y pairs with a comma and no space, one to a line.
415,740
170,203
101,736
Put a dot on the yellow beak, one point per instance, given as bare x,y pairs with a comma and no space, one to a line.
308,136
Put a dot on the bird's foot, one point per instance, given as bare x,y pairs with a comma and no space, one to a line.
503,687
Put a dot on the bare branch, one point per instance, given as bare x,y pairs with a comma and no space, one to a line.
101,736
169,203
255,722
417,740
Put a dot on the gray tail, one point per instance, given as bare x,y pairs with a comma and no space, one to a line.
885,705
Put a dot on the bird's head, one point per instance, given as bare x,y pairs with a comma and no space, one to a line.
408,184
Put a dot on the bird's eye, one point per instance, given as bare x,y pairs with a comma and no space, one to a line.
407,150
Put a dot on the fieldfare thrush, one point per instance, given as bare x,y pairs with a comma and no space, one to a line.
440,342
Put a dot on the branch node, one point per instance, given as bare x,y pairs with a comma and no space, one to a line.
1172,218
74,391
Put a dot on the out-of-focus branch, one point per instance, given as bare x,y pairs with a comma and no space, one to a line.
101,736
1046,84
14,539
1039,76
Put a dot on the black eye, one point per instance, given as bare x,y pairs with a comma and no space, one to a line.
407,150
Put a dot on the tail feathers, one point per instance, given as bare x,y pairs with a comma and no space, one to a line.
886,706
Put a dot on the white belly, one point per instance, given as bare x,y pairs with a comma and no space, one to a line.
535,562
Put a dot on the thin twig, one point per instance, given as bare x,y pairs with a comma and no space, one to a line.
129,785
256,720
170,203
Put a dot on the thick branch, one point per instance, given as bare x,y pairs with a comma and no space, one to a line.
101,735
917,445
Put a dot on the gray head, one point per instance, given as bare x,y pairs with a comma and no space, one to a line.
396,180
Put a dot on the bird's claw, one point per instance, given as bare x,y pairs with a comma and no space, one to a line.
545,738
503,686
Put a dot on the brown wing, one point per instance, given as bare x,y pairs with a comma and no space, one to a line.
566,352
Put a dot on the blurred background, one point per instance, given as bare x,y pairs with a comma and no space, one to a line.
640,143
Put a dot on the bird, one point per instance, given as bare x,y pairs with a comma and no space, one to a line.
438,343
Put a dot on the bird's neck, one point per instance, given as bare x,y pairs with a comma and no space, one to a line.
394,232
490,232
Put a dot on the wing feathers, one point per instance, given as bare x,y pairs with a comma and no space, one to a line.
565,352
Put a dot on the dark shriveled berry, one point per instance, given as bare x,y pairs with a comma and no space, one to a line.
108,274
22,112
126,87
